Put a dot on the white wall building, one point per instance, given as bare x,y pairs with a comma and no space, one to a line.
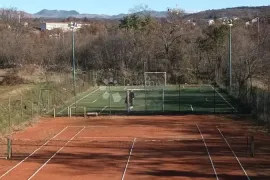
211,22
57,25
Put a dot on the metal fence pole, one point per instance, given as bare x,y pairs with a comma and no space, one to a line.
268,122
9,148
48,101
127,100
163,100
214,98
32,108
21,107
110,101
54,114
179,97
9,112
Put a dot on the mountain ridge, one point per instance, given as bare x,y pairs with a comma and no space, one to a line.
45,13
246,12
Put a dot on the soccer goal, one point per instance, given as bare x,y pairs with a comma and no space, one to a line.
155,79
145,100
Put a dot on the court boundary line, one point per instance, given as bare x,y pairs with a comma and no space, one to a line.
233,152
224,98
102,109
138,138
88,126
55,154
213,166
131,149
191,108
32,153
79,100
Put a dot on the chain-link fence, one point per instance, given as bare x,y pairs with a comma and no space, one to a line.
170,99
31,100
252,98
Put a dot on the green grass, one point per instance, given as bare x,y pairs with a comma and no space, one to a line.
177,99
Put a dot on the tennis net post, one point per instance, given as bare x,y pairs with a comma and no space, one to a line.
252,146
9,148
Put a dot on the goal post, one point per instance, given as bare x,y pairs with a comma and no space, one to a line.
155,78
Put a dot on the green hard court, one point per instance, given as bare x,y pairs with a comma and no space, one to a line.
170,99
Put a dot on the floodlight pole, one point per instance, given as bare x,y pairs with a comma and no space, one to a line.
258,19
230,57
73,60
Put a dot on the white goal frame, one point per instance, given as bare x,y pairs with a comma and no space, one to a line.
164,73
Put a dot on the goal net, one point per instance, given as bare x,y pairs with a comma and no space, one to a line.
155,79
145,100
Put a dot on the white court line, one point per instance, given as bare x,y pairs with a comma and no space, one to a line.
103,109
149,138
191,107
55,154
208,152
79,100
92,137
94,101
233,153
223,98
32,153
123,177
90,126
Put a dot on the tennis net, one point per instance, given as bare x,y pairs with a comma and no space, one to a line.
19,148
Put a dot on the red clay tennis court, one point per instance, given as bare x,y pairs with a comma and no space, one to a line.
138,147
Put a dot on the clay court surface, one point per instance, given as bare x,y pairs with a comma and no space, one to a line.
138,147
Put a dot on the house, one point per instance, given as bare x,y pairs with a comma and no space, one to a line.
211,22
58,25
247,23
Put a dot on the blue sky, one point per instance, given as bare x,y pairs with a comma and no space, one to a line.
112,7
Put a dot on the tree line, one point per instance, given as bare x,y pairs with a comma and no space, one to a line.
189,53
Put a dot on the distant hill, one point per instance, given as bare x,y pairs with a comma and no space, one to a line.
64,14
244,12
241,12
14,13
55,13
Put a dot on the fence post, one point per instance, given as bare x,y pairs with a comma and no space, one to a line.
110,101
69,111
21,107
214,98
179,97
32,108
48,101
268,91
9,111
252,146
54,115
163,100
9,148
